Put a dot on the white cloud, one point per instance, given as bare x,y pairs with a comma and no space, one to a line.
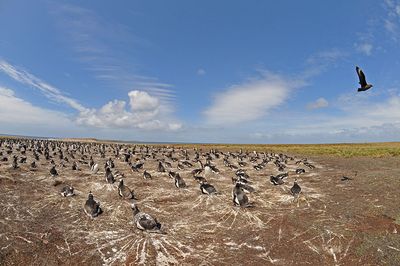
365,48
142,101
358,114
319,103
201,72
250,100
146,111
143,113
391,22
321,61
15,111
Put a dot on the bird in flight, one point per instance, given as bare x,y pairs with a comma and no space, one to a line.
363,82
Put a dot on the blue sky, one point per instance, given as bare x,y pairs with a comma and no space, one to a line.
201,71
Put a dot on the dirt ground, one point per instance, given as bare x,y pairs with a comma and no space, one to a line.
334,222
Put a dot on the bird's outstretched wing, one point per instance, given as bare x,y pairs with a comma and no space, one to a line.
361,77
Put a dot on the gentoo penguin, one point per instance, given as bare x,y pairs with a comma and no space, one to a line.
109,176
179,182
188,164
246,188
74,166
276,180
95,168
124,191
210,168
239,197
144,221
146,175
67,191
207,188
33,164
92,208
197,171
139,165
300,171
296,189
15,162
161,168
258,167
91,162
180,166
199,178
53,171
110,163
172,174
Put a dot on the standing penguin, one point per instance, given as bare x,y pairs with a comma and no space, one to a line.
109,176
53,171
179,182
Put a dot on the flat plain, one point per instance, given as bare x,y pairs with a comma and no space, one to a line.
333,222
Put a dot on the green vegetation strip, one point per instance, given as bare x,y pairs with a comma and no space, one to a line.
342,150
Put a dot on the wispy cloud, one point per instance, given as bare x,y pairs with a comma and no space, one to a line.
250,100
319,103
357,118
101,46
49,91
365,48
146,111
392,20
321,61
201,72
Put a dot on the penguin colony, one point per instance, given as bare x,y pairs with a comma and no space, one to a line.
171,162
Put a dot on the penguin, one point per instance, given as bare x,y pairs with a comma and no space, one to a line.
109,176
300,171
74,166
15,162
207,188
275,180
146,175
144,221
124,191
246,188
91,207
67,191
53,171
239,197
199,178
179,182
197,171
161,168
95,168
172,174
91,162
296,189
